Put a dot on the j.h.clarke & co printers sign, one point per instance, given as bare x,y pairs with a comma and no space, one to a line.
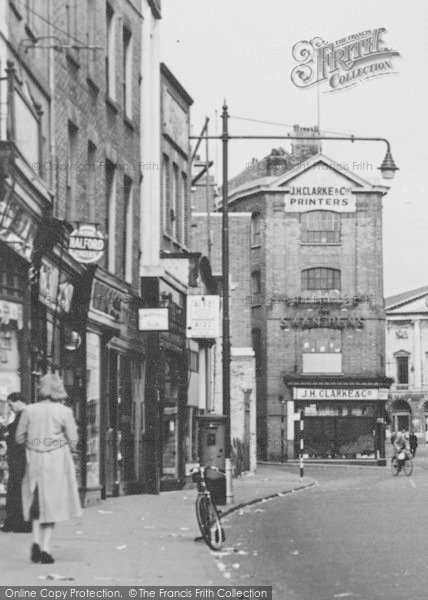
342,63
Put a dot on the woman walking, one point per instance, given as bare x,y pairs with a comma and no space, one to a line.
49,487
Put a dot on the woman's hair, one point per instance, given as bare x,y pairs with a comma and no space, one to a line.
15,397
51,386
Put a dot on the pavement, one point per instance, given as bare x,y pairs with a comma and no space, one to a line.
139,539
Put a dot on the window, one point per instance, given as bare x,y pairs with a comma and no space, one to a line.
193,358
255,282
402,369
175,197
110,215
183,201
257,347
72,171
91,182
322,350
127,72
127,230
321,227
71,21
110,53
166,193
27,129
91,37
256,236
321,279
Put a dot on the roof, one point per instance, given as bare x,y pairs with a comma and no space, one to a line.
404,297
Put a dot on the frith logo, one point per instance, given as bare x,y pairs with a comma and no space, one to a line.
344,62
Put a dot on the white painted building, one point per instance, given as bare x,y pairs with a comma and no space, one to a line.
407,360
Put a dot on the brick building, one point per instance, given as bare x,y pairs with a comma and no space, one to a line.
317,305
71,113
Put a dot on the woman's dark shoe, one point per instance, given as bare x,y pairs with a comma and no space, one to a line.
35,553
46,558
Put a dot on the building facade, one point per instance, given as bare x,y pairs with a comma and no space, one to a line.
407,361
317,307
243,366
70,131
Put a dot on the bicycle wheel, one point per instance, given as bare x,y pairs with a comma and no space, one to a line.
394,467
209,522
408,467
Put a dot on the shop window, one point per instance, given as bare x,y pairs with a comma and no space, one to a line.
320,279
402,363
320,227
255,282
322,350
256,234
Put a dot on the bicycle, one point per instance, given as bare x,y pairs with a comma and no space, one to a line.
403,461
207,514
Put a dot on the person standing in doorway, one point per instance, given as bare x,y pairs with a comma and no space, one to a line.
49,488
16,466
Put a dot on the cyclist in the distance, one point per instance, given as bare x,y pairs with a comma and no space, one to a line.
400,443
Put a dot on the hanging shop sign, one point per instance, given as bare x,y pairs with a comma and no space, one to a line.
53,294
17,228
340,394
203,317
86,244
108,300
329,322
153,319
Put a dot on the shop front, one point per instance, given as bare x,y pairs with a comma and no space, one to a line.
115,362
339,422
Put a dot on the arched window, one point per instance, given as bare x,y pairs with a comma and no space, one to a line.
321,227
256,234
320,279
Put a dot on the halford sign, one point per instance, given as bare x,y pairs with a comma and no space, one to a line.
86,244
342,63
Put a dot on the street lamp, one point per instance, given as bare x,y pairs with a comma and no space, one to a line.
387,169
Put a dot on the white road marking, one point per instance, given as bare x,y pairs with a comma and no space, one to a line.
412,483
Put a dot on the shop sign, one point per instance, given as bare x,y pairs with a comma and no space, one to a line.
11,311
203,317
153,319
328,322
108,300
17,229
86,244
340,394
303,198
56,296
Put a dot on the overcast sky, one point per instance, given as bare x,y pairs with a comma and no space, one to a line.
241,50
